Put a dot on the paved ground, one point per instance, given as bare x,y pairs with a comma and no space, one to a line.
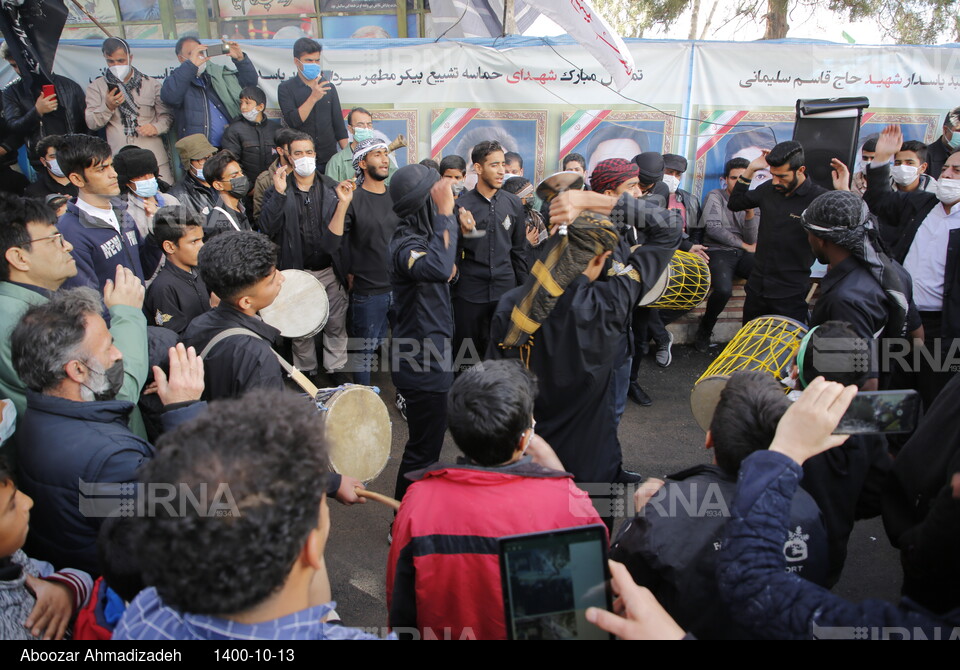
657,441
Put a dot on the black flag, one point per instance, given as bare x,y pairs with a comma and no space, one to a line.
32,31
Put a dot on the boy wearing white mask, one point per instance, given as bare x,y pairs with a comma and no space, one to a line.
127,103
252,136
673,168
309,103
910,167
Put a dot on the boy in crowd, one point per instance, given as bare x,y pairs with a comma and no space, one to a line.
509,482
178,293
35,601
263,574
673,551
224,174
455,168
251,137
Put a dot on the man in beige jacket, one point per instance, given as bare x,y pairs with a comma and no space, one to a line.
128,103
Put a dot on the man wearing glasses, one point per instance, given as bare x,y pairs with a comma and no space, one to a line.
35,262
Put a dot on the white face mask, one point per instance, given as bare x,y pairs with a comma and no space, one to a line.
672,182
9,422
120,71
305,166
54,168
251,116
904,174
202,68
948,190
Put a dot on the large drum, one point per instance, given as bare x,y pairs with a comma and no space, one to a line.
682,286
300,309
768,344
356,428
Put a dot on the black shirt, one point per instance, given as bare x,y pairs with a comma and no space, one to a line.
783,259
937,155
849,292
175,298
497,262
45,185
369,226
325,122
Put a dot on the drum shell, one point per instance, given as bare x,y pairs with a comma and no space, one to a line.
768,344
683,285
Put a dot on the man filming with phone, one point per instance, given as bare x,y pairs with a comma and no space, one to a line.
309,103
205,96
57,110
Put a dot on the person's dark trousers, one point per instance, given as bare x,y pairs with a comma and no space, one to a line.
426,423
619,384
794,307
933,369
367,326
725,264
471,331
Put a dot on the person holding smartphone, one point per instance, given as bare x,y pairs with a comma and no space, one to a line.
57,110
127,103
205,96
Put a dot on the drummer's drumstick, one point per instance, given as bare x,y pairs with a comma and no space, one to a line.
379,497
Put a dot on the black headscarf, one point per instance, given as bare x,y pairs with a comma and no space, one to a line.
842,217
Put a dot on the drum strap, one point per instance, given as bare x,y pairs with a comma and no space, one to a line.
231,220
295,374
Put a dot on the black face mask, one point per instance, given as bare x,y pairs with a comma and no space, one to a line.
239,186
114,376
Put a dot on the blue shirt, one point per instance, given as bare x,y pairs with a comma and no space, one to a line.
218,122
147,618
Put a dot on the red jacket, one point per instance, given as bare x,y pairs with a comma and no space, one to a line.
443,572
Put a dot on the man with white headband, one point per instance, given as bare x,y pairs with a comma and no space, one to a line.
928,246
127,103
369,227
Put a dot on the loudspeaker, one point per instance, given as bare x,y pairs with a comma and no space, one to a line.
828,129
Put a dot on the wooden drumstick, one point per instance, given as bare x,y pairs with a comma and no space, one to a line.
379,497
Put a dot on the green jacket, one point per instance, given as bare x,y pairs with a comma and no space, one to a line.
340,167
128,326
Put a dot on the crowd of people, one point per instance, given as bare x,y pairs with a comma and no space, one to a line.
133,356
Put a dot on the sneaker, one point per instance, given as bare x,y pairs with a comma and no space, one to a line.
638,395
402,406
664,356
701,342
629,477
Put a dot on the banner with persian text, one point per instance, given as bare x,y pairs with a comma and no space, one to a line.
545,97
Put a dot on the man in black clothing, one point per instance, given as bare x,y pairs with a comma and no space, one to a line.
780,278
177,294
51,179
304,213
490,265
240,267
369,226
563,323
422,256
193,191
33,116
311,104
940,149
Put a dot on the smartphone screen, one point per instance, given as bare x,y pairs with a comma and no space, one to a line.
549,579
881,412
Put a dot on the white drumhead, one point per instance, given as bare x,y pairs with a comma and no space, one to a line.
705,397
656,291
301,307
357,431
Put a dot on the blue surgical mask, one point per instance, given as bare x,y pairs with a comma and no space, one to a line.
362,134
146,188
954,142
198,173
311,70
